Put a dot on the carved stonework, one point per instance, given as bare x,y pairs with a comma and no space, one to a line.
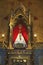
18,17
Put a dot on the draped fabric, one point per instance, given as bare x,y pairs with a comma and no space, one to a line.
23,32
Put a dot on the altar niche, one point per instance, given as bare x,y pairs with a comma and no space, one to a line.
19,33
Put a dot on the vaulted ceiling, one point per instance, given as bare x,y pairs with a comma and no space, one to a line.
36,7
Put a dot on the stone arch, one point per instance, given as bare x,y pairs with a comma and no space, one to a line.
20,19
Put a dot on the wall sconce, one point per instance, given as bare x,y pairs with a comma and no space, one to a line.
35,35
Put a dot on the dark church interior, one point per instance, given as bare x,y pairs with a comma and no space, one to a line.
21,32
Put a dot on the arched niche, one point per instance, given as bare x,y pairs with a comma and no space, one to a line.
20,27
